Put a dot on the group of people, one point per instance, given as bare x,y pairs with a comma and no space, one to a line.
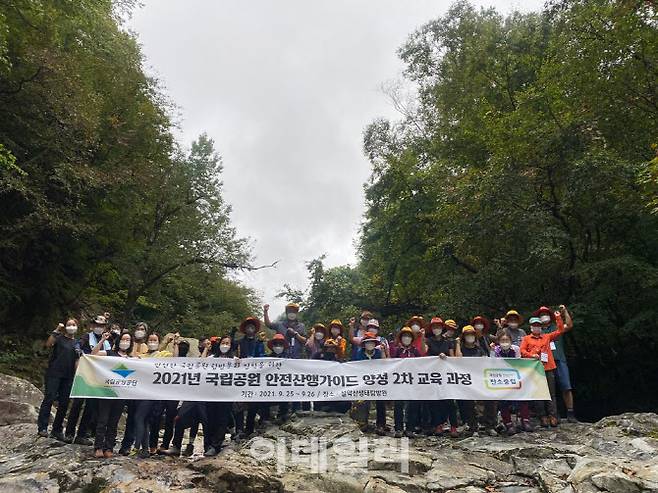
95,421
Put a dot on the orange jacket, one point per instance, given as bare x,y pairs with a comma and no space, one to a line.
533,345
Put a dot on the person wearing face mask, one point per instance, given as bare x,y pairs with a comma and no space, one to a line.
563,379
416,323
291,328
146,411
357,330
316,340
404,348
140,347
372,327
278,346
537,345
59,377
487,410
439,344
360,411
467,346
512,325
110,410
87,407
336,330
504,348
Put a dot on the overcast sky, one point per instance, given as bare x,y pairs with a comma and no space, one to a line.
285,88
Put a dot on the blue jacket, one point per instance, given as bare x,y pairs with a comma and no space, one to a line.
361,354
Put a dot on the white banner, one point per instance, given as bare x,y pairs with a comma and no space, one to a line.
281,380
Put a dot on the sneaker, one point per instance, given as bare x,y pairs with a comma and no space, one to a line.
108,454
143,453
99,454
68,438
82,441
553,421
510,430
43,433
543,421
526,426
189,450
571,417
211,452
453,432
172,451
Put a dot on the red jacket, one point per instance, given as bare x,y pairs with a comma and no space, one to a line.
533,345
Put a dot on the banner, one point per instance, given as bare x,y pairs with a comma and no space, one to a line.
286,380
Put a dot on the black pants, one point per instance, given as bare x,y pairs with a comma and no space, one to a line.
219,417
443,411
143,418
406,413
109,412
189,415
168,409
543,408
129,432
57,389
89,409
253,408
467,412
488,413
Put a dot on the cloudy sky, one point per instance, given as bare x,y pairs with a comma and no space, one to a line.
285,88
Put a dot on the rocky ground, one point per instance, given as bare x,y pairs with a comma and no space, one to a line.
327,453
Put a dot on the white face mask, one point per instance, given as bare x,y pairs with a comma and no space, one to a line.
153,346
97,330
139,334
536,330
505,345
370,346
436,332
479,326
319,336
292,316
71,329
277,349
123,345
335,331
415,327
469,339
224,348
545,319
513,325
406,340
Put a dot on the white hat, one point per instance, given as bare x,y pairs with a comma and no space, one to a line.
373,322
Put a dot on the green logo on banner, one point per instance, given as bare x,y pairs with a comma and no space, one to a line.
122,370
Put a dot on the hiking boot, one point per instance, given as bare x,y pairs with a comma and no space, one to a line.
526,426
43,433
108,454
172,451
398,434
438,431
124,451
380,430
410,434
211,452
99,454
510,429
543,421
82,441
153,450
57,435
453,432
553,421
143,453
68,438
189,450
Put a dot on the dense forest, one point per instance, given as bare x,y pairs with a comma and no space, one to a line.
101,208
523,174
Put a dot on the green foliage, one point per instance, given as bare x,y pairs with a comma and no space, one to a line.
101,209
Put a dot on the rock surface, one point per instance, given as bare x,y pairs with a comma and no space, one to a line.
322,452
